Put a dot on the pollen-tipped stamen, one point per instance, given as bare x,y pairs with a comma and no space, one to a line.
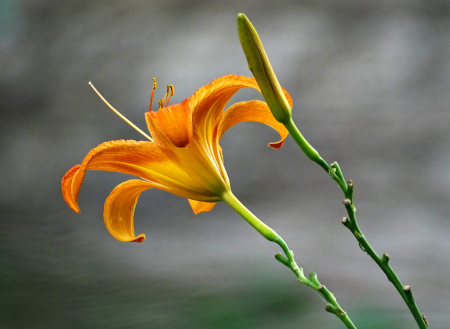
151,97
172,92
119,114
162,101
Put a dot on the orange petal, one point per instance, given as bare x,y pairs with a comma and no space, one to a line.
251,111
212,98
119,209
174,122
199,206
66,185
208,103
142,159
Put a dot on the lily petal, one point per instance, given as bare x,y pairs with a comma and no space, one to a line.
199,206
251,111
174,122
119,209
208,103
66,185
142,159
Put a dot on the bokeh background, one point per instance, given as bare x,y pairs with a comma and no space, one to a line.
370,83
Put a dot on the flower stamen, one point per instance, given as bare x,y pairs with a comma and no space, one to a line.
172,92
151,97
119,114
162,101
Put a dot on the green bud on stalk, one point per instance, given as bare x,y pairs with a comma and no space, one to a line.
260,66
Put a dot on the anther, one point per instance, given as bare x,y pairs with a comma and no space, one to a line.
407,289
161,103
151,97
170,92
350,183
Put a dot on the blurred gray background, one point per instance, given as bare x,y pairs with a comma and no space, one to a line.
370,83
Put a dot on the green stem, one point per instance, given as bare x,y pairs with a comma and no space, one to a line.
332,306
310,152
351,223
383,263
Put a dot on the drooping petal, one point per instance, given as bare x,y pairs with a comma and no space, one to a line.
66,185
199,206
251,111
208,103
119,209
173,122
142,159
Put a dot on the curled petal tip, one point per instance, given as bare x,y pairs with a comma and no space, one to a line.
140,238
276,145
70,195
198,206
77,209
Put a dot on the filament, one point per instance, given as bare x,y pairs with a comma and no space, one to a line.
172,92
151,97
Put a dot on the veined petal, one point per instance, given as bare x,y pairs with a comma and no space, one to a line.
142,159
199,206
214,96
119,209
208,103
251,111
174,122
66,185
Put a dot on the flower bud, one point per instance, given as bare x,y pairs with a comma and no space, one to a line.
259,65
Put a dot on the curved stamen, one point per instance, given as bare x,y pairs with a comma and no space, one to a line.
165,96
151,97
172,92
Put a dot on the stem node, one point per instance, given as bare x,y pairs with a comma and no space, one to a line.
279,257
330,308
346,222
385,259
425,319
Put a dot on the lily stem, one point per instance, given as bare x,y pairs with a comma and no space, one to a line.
351,223
332,304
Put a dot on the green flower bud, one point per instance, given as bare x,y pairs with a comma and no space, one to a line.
260,66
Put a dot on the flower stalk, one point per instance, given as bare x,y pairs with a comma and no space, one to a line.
253,49
289,261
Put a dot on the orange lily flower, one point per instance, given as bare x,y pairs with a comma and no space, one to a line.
183,158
